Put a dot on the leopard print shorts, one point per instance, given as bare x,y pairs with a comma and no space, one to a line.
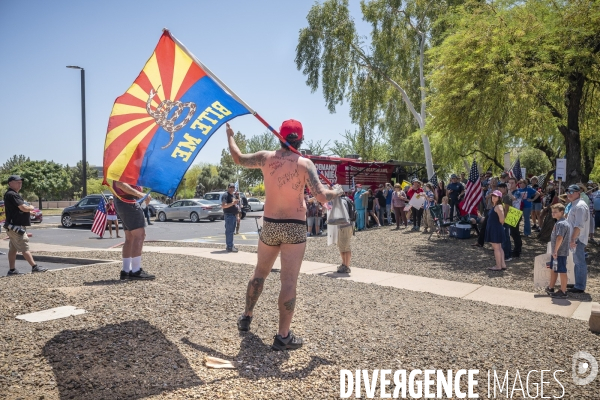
279,231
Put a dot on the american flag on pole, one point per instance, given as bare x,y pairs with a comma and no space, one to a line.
473,194
515,172
100,219
434,182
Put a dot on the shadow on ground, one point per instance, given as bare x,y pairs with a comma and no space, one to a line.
106,363
254,351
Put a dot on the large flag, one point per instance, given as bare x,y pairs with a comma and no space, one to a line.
99,225
158,126
473,193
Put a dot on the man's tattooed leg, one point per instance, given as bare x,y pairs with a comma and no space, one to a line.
255,287
290,305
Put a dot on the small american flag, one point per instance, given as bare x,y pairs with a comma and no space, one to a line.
473,193
100,219
434,182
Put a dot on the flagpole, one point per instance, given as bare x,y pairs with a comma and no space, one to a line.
235,96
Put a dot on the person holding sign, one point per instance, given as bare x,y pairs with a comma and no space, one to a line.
417,213
502,187
513,193
494,232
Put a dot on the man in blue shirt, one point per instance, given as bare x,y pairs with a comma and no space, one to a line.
455,191
527,194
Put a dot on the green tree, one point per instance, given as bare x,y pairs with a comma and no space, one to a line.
381,84
207,180
317,148
13,162
76,178
43,178
524,73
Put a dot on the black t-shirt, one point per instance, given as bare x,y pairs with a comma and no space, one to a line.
228,198
14,216
380,198
370,203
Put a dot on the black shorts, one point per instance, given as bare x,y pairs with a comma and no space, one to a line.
131,215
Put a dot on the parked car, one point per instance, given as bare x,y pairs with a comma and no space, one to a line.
35,215
255,204
215,197
82,212
192,209
155,206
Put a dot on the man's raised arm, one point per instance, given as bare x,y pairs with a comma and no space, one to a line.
254,160
320,192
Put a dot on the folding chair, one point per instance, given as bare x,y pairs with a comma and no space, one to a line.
441,227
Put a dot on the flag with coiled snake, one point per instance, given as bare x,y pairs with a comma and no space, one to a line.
158,126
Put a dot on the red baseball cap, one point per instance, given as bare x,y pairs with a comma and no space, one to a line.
291,126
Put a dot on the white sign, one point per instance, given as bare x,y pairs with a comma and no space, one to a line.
417,201
541,274
524,172
561,168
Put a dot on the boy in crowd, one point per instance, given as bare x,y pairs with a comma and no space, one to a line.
560,251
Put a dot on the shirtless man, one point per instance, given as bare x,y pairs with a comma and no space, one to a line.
284,229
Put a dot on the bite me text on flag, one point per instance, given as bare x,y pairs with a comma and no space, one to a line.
473,194
99,225
158,126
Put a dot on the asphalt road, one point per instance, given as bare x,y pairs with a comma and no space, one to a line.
203,231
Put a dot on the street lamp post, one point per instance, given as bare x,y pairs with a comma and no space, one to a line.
84,161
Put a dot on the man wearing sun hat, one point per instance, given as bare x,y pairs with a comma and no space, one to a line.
578,217
285,175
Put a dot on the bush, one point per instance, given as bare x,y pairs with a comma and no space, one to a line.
258,190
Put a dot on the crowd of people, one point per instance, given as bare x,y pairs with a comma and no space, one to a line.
388,204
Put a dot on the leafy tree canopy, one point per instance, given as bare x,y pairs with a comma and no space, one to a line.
513,73
44,178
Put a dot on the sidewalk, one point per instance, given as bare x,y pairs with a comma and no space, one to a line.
569,308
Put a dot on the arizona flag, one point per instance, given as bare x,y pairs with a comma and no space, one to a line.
158,126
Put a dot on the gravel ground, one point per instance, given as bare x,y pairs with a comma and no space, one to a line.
148,339
456,260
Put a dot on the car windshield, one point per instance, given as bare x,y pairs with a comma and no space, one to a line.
212,196
154,201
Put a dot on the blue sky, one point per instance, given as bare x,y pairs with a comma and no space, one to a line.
250,45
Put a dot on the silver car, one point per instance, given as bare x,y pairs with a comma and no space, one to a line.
255,204
192,209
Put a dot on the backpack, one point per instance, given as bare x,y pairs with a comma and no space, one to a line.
351,209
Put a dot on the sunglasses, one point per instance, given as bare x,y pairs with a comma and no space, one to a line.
571,192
